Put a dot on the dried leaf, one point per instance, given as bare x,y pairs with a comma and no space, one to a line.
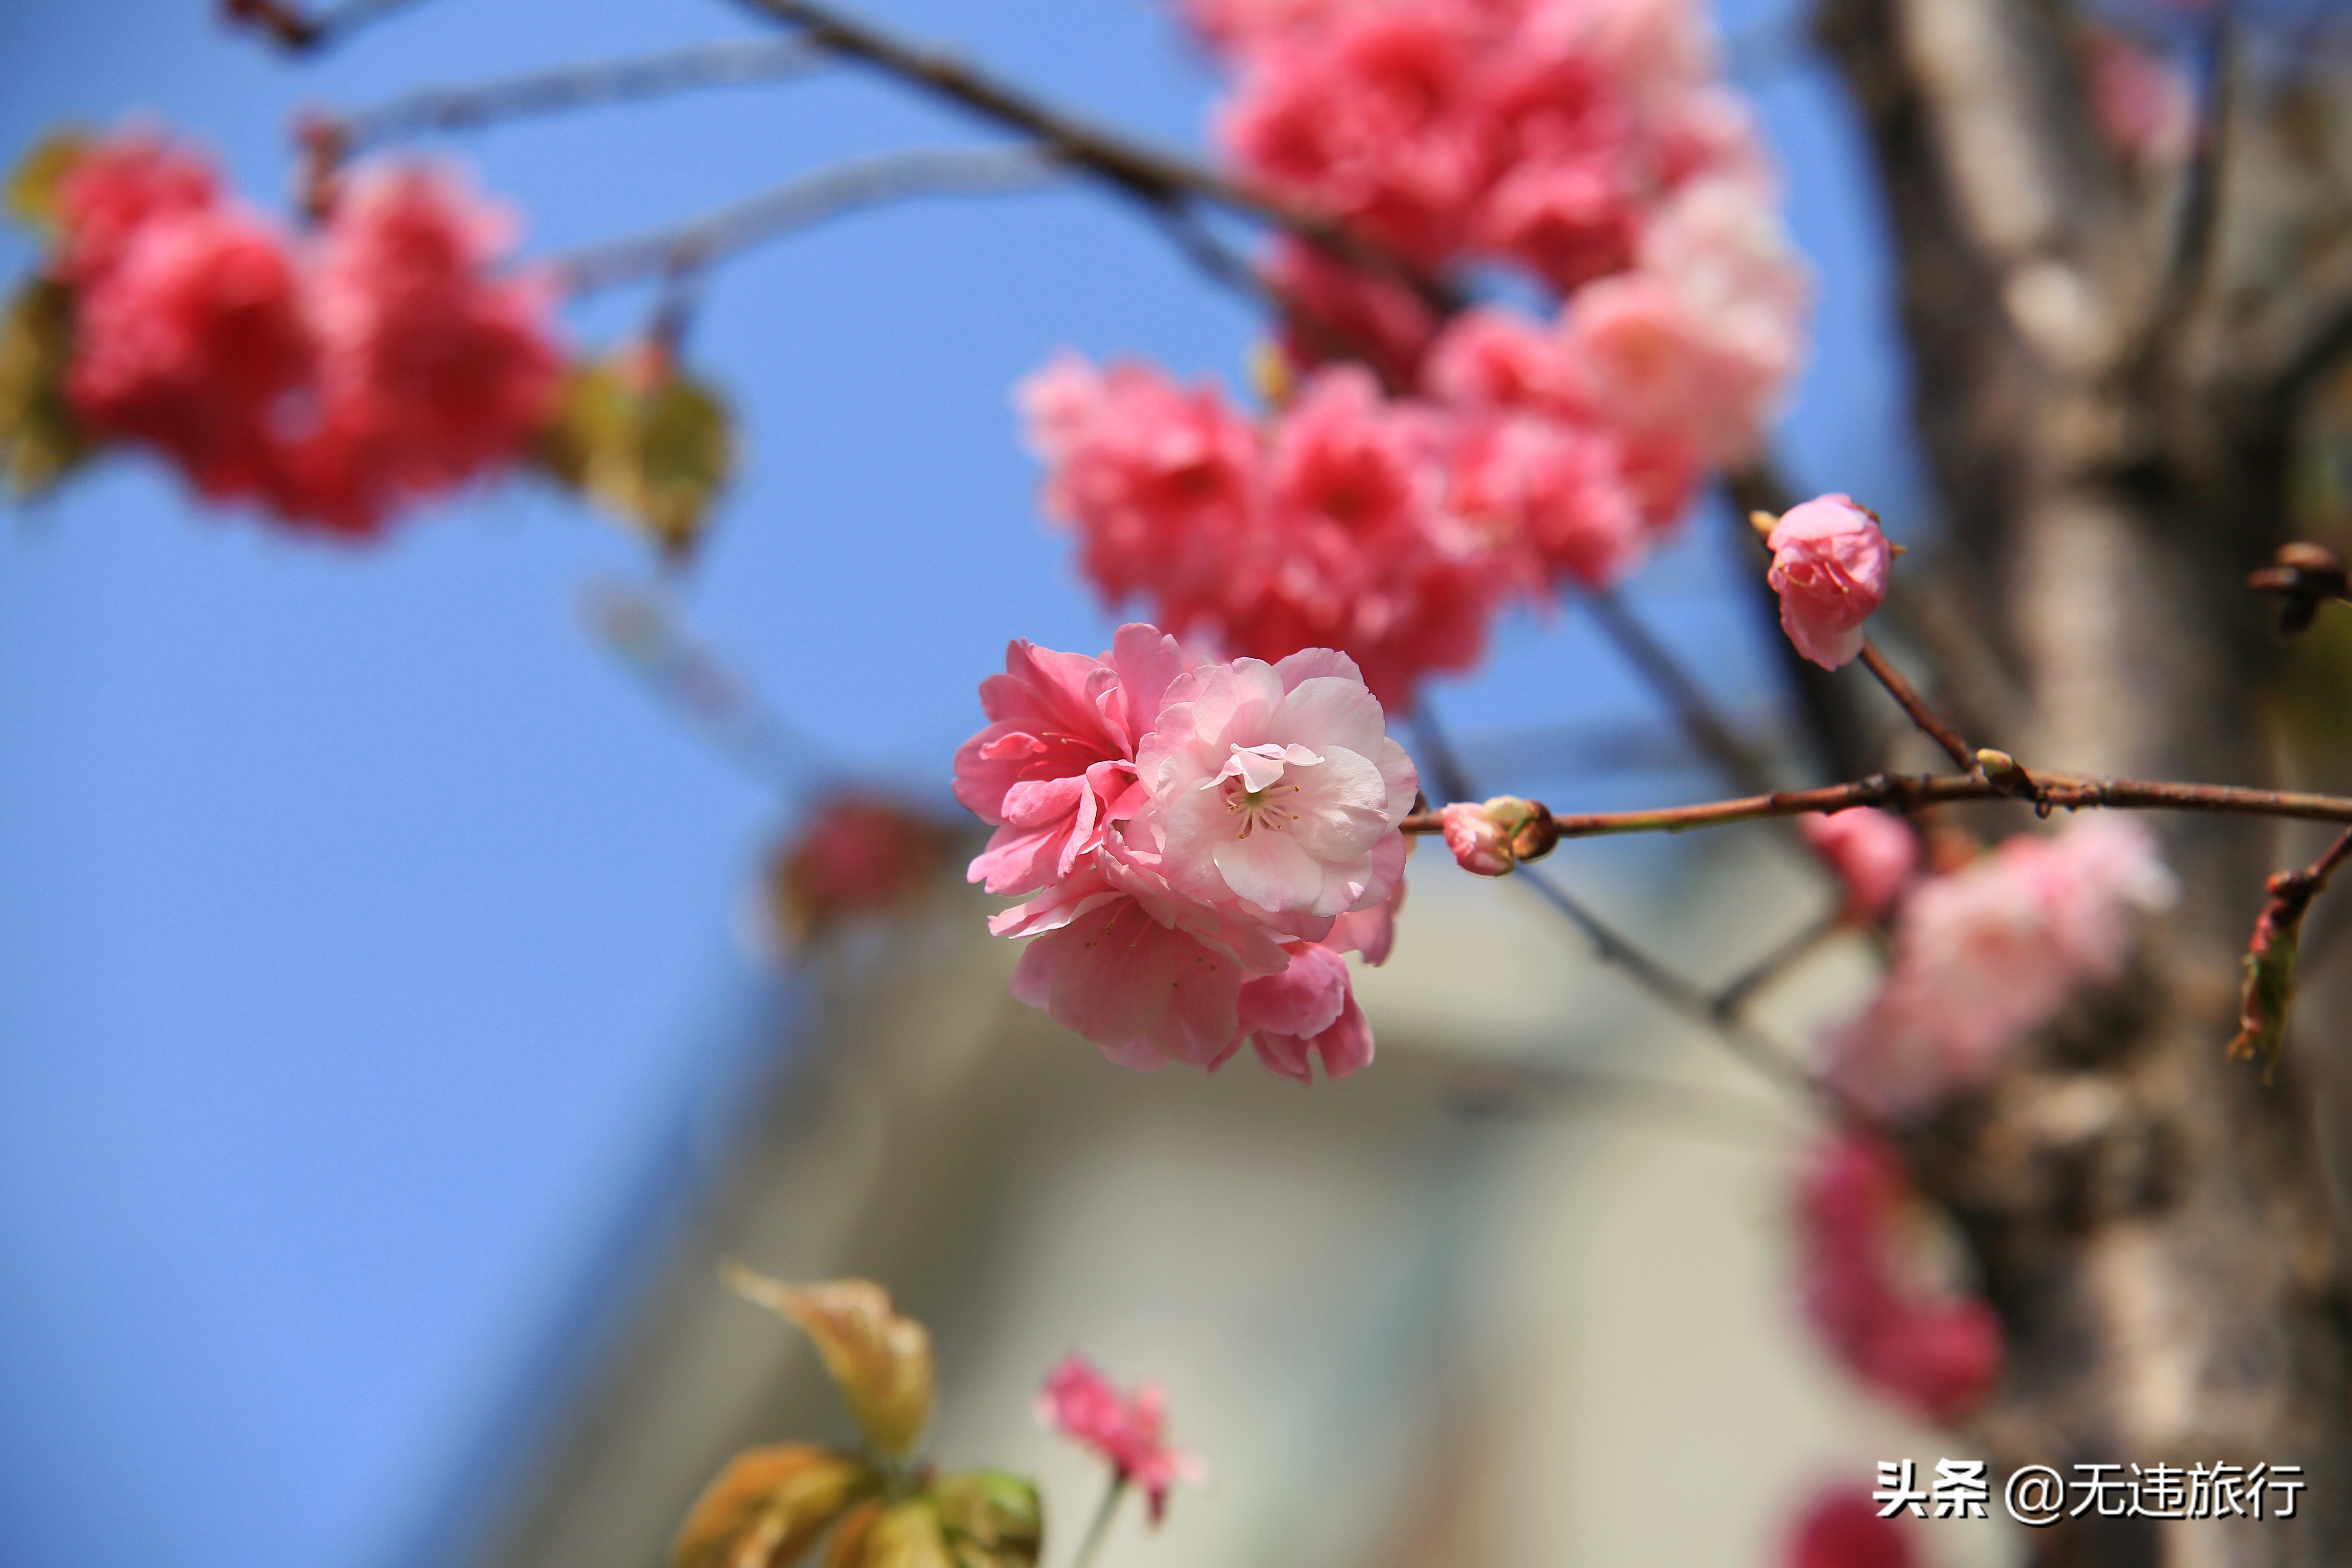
647,443
40,439
881,1361
992,1520
769,1506
33,183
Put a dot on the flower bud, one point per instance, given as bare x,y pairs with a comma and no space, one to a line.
1491,839
1830,564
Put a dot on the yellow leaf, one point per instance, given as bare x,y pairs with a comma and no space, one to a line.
648,445
881,1361
40,439
33,183
908,1536
769,1506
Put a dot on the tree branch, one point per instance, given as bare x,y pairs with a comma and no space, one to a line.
1150,174
1911,792
812,199
1692,709
298,32
476,104
1934,726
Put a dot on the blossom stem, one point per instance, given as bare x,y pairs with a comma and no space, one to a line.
829,192
1931,724
1154,176
1099,1531
1912,792
474,104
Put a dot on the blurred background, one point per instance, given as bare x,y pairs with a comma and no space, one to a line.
388,1043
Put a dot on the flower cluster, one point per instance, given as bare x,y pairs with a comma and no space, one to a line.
1934,1350
1082,1405
1989,951
1199,845
332,380
1422,472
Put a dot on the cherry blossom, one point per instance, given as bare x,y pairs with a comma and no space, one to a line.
1201,846
1928,1349
1128,1431
1988,952
1873,853
1829,565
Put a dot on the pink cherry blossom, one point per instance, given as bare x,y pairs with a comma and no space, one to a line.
1373,117
1829,565
1489,358
1276,786
1987,953
1202,846
1841,1528
1480,845
1933,1350
432,368
1334,312
1056,762
1129,1432
1873,852
191,340
117,188
1161,483
1553,497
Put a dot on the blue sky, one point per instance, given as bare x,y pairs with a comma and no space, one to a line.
367,966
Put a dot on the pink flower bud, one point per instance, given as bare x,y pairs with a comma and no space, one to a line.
1829,565
1486,839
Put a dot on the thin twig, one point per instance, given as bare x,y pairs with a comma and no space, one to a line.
300,32
1150,173
1692,709
1911,792
476,104
1758,1049
1663,983
812,199
1934,727
1496,1090
1731,1000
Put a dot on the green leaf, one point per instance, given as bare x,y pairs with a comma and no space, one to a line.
33,183
992,1520
2267,997
649,446
769,1506
40,439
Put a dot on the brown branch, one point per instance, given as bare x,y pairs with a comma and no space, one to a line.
1698,716
1150,174
1731,1000
829,192
475,104
1931,724
1911,792
298,31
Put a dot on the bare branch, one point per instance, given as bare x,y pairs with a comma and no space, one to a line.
1912,792
829,192
475,104
1931,724
1151,175
300,32
1707,728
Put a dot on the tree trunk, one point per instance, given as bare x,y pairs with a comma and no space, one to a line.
2107,408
